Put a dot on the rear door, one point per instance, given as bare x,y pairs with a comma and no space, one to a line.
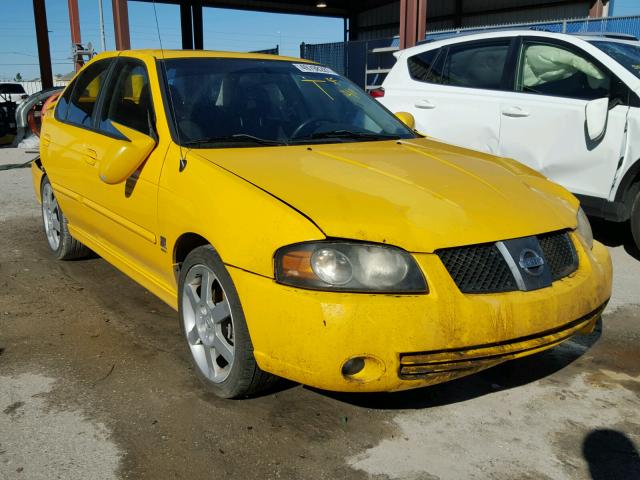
66,140
455,92
543,121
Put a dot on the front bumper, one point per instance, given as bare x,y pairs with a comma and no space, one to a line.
411,341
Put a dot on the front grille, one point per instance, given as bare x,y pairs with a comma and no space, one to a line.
559,253
478,268
482,268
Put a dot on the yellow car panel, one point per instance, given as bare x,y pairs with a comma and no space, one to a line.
412,193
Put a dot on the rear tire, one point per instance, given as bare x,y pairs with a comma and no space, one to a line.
56,227
635,220
213,324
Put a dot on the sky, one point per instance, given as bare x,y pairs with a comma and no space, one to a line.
223,30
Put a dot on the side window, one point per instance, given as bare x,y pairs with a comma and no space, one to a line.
82,102
128,100
62,105
473,65
546,69
420,66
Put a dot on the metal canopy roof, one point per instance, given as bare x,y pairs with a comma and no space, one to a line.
334,8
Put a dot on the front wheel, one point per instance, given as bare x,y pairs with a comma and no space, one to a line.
214,327
56,227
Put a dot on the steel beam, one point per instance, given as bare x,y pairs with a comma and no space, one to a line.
186,26
597,8
74,24
121,24
198,28
42,37
422,19
403,23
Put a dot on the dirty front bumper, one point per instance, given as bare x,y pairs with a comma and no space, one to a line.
409,341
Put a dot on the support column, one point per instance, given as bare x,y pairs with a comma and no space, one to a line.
597,8
74,24
403,23
186,22
422,19
198,29
121,24
42,37
413,22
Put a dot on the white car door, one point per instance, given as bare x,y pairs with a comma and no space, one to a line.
544,123
454,92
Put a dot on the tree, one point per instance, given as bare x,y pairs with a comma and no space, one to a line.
18,77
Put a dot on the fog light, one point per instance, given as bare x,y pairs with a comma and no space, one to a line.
353,366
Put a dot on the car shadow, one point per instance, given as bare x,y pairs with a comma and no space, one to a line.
610,454
505,376
615,234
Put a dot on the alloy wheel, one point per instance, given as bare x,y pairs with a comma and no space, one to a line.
51,216
208,323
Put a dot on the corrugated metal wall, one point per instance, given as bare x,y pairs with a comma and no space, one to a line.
384,21
380,22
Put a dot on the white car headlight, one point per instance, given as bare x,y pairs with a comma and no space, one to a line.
584,229
349,266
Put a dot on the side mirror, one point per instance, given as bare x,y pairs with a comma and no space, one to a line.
124,158
407,119
596,113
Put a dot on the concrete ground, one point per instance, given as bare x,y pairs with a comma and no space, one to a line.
95,383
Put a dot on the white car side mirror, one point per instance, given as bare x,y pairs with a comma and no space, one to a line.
596,113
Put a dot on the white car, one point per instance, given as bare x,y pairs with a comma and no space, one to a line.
12,92
567,106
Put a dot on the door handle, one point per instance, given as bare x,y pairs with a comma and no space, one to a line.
90,155
46,140
424,104
515,112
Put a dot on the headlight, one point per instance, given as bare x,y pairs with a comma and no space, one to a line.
584,229
349,267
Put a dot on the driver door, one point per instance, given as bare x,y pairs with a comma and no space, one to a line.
543,123
125,214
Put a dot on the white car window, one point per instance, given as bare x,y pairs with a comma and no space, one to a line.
553,70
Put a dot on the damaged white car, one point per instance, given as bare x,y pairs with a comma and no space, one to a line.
565,105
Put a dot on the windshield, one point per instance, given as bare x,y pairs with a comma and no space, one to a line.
244,102
625,54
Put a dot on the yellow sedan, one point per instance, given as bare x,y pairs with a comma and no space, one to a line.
303,231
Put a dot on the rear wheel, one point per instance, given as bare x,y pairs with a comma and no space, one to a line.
214,327
635,220
56,227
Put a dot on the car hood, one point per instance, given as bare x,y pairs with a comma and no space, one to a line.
418,194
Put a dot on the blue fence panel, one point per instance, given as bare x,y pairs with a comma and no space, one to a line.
329,54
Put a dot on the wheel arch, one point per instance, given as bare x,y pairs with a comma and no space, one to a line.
629,185
185,244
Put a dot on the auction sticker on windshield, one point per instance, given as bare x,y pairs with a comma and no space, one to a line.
308,68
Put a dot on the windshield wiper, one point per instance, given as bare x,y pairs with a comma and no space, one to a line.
235,138
354,135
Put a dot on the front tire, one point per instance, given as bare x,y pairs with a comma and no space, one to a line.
56,227
214,327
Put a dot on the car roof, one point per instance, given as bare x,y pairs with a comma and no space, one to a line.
502,33
170,54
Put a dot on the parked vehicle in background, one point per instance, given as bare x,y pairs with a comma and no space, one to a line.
12,92
302,230
567,106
